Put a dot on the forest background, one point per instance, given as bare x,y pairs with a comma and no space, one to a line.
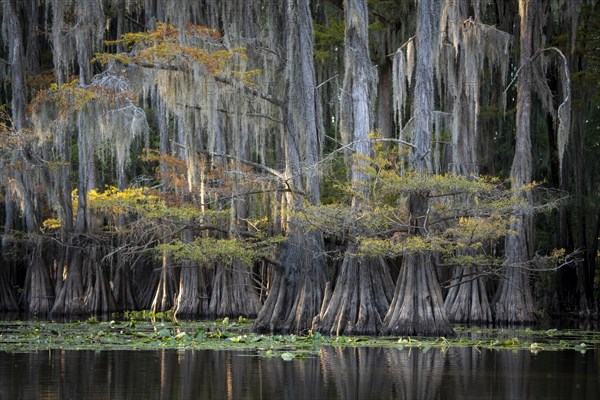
347,167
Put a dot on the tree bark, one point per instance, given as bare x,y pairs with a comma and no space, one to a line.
38,294
363,289
514,304
164,294
192,297
296,292
418,307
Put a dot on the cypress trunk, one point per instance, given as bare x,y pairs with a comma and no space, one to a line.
514,304
418,307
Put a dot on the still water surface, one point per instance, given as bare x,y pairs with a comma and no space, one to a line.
333,373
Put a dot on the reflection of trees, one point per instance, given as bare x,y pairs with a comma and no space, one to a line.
513,374
298,379
466,366
361,373
339,372
418,372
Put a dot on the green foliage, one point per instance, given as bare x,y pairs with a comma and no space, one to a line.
206,250
328,37
215,335
68,97
163,47
209,250
464,214
122,202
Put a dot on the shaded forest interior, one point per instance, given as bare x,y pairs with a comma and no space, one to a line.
347,167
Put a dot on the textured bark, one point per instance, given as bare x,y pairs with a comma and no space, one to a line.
362,291
8,299
514,302
70,301
467,299
296,292
146,277
12,36
233,293
99,299
192,297
12,33
122,284
361,297
164,293
418,307
384,100
311,284
297,289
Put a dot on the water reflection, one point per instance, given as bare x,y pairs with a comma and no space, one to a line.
335,373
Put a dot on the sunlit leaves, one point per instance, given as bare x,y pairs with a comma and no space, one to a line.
205,250
51,223
121,202
68,97
462,212
168,46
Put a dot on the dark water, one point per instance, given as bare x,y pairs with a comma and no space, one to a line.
335,373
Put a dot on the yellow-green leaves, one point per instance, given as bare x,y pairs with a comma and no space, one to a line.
168,46
206,250
68,97
121,202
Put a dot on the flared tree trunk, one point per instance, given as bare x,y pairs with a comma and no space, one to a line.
99,297
164,294
122,287
363,289
122,283
38,293
146,277
192,297
233,293
360,299
514,302
70,301
418,307
311,284
8,299
296,291
467,299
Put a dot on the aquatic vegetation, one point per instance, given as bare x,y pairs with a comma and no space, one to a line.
235,334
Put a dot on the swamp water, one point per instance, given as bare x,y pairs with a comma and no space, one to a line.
330,373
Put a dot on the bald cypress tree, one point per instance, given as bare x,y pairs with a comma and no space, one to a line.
358,300
417,306
514,302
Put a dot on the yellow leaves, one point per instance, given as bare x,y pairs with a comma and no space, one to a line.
471,230
72,97
106,58
51,224
205,250
247,77
68,97
121,202
168,46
